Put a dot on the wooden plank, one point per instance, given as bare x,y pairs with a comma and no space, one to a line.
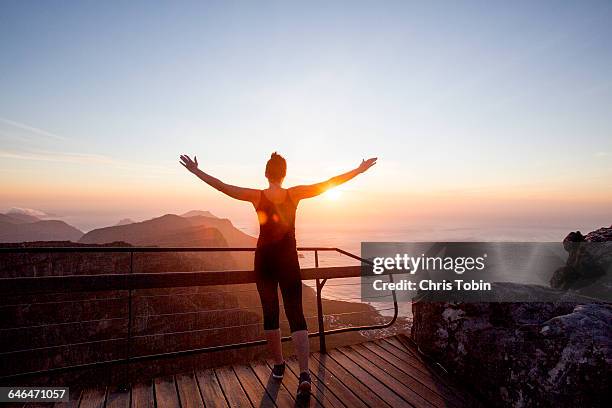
319,389
408,364
402,344
143,395
404,355
234,394
290,382
393,346
74,399
188,391
277,392
371,382
210,389
334,384
165,392
365,393
93,398
428,380
406,387
465,396
253,387
406,346
117,398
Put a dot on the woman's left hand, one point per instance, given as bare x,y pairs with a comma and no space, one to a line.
366,164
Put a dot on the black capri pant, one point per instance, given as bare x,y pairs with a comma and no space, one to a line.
274,267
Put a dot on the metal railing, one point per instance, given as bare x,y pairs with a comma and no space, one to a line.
131,281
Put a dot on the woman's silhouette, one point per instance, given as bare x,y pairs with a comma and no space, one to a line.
276,259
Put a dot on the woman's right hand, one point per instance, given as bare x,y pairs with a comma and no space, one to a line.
366,164
191,165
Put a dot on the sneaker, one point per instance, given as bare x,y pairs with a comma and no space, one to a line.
304,385
278,371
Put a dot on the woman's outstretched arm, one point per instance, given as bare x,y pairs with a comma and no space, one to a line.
312,190
239,193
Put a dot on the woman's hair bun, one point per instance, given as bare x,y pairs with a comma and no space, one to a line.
276,168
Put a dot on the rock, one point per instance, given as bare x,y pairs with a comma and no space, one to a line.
600,235
531,354
522,354
588,267
572,237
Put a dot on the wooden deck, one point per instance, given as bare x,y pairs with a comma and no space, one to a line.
381,373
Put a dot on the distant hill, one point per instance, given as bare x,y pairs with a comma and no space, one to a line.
16,230
194,228
21,218
196,213
179,231
4,218
233,235
173,230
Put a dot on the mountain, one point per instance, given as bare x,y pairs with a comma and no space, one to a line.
196,213
194,228
16,230
21,217
234,237
4,218
139,233
179,231
173,230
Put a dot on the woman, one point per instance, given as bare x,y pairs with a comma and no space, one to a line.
276,260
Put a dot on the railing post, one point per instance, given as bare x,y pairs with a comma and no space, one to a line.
322,346
128,351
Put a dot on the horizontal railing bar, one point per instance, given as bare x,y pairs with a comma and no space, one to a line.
80,283
19,250
80,343
180,332
181,353
62,301
36,326
359,312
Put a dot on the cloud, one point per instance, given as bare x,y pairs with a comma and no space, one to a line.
81,158
28,211
31,129
57,157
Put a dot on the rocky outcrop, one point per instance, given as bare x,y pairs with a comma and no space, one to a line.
588,267
530,354
522,354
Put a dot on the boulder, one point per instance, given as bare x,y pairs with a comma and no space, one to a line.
588,269
522,354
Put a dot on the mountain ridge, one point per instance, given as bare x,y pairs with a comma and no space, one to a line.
44,230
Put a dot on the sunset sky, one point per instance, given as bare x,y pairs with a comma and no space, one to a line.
480,113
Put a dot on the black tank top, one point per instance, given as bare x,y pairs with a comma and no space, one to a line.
276,221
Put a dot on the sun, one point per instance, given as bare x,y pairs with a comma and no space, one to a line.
333,195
